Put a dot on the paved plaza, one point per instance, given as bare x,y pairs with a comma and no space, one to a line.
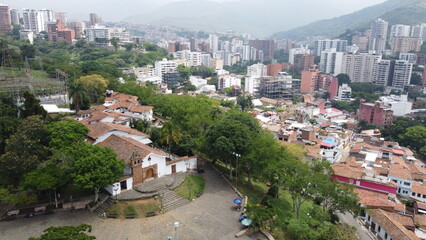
209,217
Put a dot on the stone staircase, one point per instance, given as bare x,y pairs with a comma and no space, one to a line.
99,210
171,200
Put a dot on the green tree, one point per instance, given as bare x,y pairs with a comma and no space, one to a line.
414,137
77,92
343,79
416,79
245,102
184,73
27,51
25,149
170,134
32,106
96,167
67,134
299,184
8,120
299,229
114,42
95,85
263,154
66,233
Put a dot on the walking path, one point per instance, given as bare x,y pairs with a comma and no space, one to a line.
210,217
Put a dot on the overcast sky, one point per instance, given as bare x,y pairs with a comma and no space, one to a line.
114,10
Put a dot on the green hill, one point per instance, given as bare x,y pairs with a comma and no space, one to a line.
395,11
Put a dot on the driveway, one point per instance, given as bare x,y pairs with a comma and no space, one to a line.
362,232
209,217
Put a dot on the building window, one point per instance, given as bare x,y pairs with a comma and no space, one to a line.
379,229
368,218
413,194
406,184
419,195
386,236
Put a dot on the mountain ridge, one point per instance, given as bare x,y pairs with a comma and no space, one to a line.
260,18
395,11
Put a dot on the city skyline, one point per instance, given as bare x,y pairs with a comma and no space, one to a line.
132,7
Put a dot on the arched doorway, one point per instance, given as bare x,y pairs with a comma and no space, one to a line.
149,173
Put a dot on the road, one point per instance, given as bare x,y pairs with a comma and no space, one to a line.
362,232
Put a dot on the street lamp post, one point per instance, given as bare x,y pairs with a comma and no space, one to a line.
236,169
176,230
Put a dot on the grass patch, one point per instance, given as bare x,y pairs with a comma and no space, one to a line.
130,211
192,187
138,209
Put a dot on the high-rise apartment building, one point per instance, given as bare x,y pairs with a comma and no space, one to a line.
331,61
360,66
267,46
45,17
419,31
302,62
274,69
382,72
361,42
214,42
61,16
405,45
246,52
120,33
95,19
31,19
394,73
378,36
5,20
258,70
322,45
15,16
410,57
303,49
401,73
97,32
164,66
309,80
399,30
78,26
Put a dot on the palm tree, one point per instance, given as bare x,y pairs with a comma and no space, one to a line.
170,133
77,93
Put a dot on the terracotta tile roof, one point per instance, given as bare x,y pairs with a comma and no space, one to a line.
139,108
372,200
420,219
400,171
96,116
126,147
268,100
124,104
344,170
120,97
101,128
406,221
397,159
99,108
418,187
417,172
391,225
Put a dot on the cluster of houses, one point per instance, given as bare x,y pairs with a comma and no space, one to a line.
384,174
109,126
